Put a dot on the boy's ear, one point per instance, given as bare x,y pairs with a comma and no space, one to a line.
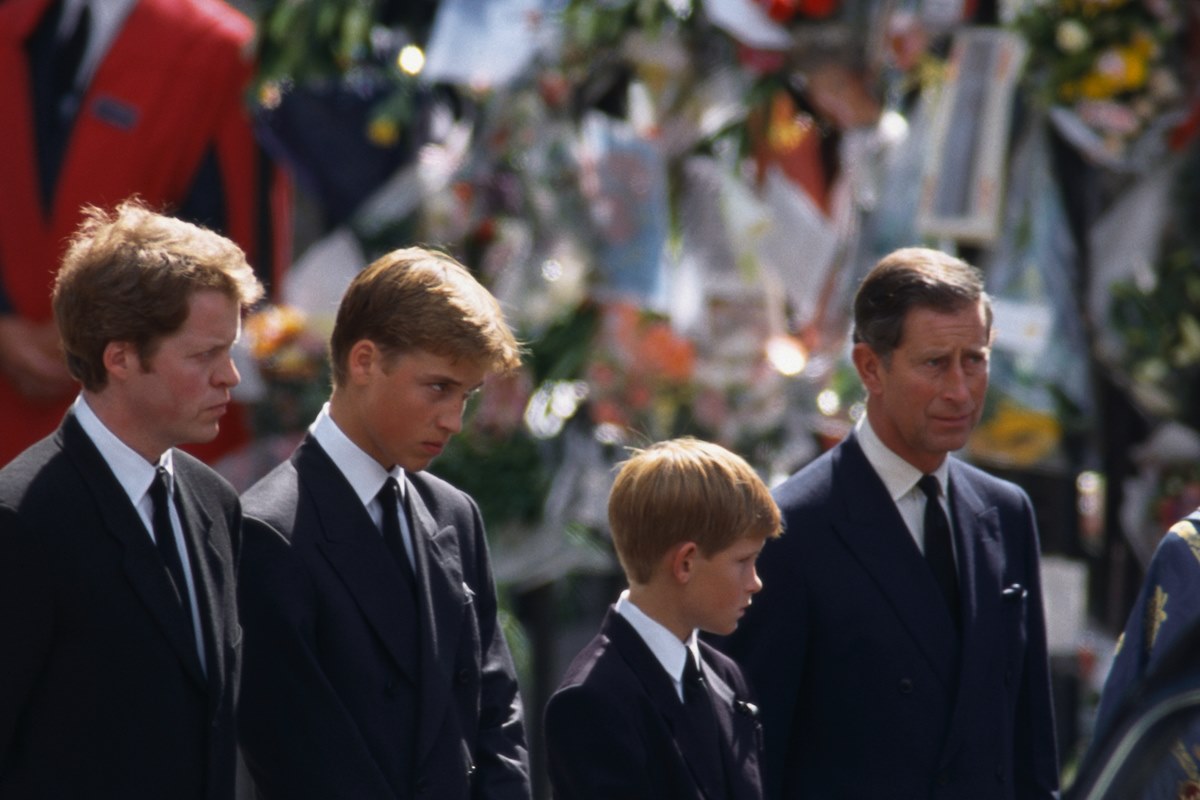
362,357
682,561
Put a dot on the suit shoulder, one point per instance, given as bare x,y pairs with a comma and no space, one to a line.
597,677
441,496
39,469
989,485
204,477
274,497
808,486
216,22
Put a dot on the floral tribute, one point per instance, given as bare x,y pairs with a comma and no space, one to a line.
1109,66
291,359
642,372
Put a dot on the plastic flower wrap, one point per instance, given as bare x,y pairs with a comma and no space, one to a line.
1108,68
291,359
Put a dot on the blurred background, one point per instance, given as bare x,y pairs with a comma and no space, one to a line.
674,201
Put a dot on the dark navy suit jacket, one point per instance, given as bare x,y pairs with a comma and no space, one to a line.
617,729
336,701
101,692
867,688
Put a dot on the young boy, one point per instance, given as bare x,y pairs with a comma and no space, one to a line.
646,710
374,663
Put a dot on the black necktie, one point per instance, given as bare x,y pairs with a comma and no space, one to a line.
697,701
389,500
168,550
939,552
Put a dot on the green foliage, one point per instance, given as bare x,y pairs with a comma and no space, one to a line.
300,40
562,351
507,478
1160,324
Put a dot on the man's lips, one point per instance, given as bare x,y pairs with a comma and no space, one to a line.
955,419
218,408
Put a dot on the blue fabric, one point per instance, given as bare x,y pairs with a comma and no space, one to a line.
1166,607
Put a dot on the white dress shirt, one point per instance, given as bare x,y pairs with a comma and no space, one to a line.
665,646
365,474
900,478
136,475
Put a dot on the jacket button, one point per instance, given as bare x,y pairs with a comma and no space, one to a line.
943,779
906,686
389,688
462,676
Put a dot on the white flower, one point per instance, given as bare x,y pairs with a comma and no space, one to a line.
1071,36
1164,87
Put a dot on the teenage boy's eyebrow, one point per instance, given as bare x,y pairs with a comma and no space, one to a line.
448,381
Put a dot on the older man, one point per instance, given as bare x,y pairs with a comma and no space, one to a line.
899,644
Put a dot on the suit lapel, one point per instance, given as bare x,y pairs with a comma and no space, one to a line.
661,690
354,549
739,730
208,571
873,530
142,564
980,566
444,598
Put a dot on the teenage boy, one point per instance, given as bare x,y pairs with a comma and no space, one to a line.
375,664
646,710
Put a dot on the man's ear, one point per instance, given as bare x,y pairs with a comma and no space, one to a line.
682,561
870,367
364,355
121,359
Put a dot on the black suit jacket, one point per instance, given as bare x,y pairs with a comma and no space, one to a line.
334,701
867,688
101,692
617,729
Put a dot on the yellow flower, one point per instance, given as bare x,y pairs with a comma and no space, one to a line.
1136,69
1017,435
1096,86
383,132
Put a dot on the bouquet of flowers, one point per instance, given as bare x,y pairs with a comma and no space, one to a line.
1108,69
290,359
640,373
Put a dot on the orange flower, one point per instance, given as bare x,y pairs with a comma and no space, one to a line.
665,354
273,328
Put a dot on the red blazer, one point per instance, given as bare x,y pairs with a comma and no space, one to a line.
169,91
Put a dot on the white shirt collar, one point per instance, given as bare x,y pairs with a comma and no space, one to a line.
898,476
364,473
665,646
134,473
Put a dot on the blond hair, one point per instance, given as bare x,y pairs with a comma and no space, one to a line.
685,490
420,299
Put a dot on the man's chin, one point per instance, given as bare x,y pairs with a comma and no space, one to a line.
203,434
